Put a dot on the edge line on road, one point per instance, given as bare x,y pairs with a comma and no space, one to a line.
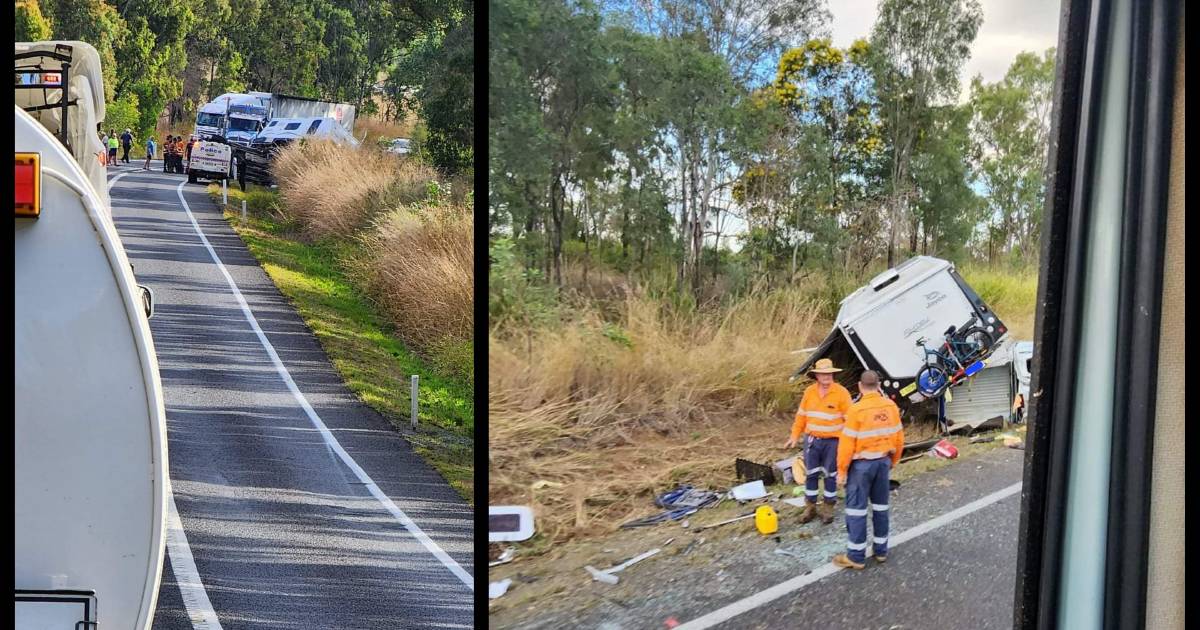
187,576
330,440
768,595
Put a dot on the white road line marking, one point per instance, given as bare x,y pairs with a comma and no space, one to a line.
331,441
183,565
195,598
779,590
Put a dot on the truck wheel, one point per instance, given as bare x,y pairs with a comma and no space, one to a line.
191,178
932,379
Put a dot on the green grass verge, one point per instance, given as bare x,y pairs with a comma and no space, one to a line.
375,365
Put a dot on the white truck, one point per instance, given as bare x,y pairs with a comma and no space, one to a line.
89,429
878,326
234,116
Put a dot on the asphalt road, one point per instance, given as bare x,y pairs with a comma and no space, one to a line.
956,572
283,532
961,575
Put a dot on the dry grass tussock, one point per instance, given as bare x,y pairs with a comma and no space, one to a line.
371,130
588,420
419,265
333,190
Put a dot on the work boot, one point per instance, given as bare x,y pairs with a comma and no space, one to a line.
810,513
825,510
880,559
844,561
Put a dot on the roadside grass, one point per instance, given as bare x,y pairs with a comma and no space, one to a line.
360,342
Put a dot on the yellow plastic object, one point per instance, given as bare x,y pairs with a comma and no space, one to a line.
766,520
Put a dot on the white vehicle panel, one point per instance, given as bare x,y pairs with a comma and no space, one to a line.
90,432
927,310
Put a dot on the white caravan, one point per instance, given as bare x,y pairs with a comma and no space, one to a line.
90,433
879,324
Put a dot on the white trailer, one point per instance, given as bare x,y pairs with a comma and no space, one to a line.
90,433
879,324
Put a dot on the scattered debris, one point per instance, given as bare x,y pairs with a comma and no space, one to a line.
680,502
607,576
751,471
654,519
749,491
497,589
669,541
785,470
982,440
893,485
685,523
510,523
687,497
631,561
505,557
766,520
795,502
601,576
671,622
732,520
542,483
1020,446
944,450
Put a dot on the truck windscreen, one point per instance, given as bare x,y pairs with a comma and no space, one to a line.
205,119
242,124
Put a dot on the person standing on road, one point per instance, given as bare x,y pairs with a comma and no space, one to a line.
104,143
166,147
821,415
150,147
112,146
871,444
126,144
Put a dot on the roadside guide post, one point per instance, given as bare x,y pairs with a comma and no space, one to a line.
413,396
225,192
243,209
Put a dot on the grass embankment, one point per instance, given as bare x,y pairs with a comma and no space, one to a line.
604,395
333,280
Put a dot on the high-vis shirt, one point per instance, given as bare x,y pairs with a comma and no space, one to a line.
821,416
872,431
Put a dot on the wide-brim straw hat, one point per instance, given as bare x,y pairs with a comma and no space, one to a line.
824,366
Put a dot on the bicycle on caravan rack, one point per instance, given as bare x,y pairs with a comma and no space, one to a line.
962,348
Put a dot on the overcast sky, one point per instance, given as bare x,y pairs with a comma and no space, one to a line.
1009,27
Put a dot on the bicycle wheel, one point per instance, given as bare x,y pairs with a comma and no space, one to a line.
980,339
932,379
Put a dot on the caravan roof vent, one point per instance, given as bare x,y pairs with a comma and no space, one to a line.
884,279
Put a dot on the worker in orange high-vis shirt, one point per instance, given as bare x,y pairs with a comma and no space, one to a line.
821,414
871,444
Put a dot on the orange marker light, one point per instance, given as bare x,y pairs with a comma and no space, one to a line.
27,185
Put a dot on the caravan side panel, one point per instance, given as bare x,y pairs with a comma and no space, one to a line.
927,310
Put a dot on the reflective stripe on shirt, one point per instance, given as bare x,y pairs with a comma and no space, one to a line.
872,432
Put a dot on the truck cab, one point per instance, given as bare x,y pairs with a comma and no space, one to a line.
89,424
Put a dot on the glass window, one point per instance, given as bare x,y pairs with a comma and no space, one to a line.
291,126
205,119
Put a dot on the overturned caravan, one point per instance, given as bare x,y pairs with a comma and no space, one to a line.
878,326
